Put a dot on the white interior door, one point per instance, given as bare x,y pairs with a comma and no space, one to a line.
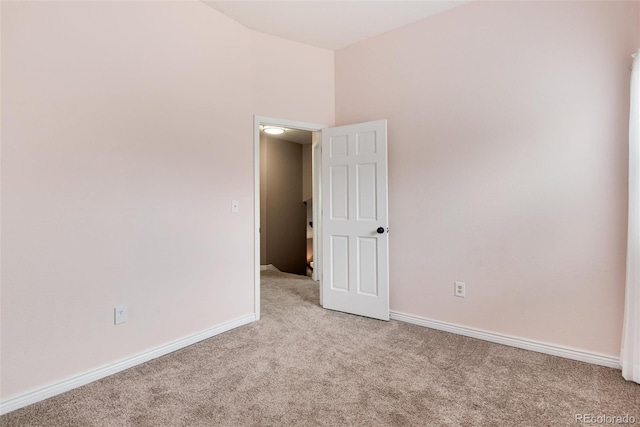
355,268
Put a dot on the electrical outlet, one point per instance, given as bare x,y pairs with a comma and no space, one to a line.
459,289
120,314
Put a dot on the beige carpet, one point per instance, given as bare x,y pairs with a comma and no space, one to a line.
305,366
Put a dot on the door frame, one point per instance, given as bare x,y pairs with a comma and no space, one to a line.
271,121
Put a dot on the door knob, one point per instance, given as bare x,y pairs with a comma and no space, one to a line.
380,230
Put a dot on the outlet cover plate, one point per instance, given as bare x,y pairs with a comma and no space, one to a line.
459,289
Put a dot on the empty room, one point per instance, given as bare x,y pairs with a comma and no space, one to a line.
474,233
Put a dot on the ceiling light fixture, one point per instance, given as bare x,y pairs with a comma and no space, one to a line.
273,130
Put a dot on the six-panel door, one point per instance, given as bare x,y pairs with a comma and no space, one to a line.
355,241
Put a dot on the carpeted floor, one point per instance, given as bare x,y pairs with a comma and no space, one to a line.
304,366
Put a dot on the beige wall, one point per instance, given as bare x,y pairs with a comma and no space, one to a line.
285,212
292,85
508,126
127,131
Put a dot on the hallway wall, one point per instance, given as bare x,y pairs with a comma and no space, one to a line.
285,214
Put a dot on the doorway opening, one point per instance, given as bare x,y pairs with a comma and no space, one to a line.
287,199
286,219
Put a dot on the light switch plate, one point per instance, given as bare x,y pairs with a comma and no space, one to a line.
235,206
120,314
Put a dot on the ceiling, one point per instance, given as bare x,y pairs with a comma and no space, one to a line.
293,135
328,24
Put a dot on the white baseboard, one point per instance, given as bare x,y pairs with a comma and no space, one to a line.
59,387
554,350
51,390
